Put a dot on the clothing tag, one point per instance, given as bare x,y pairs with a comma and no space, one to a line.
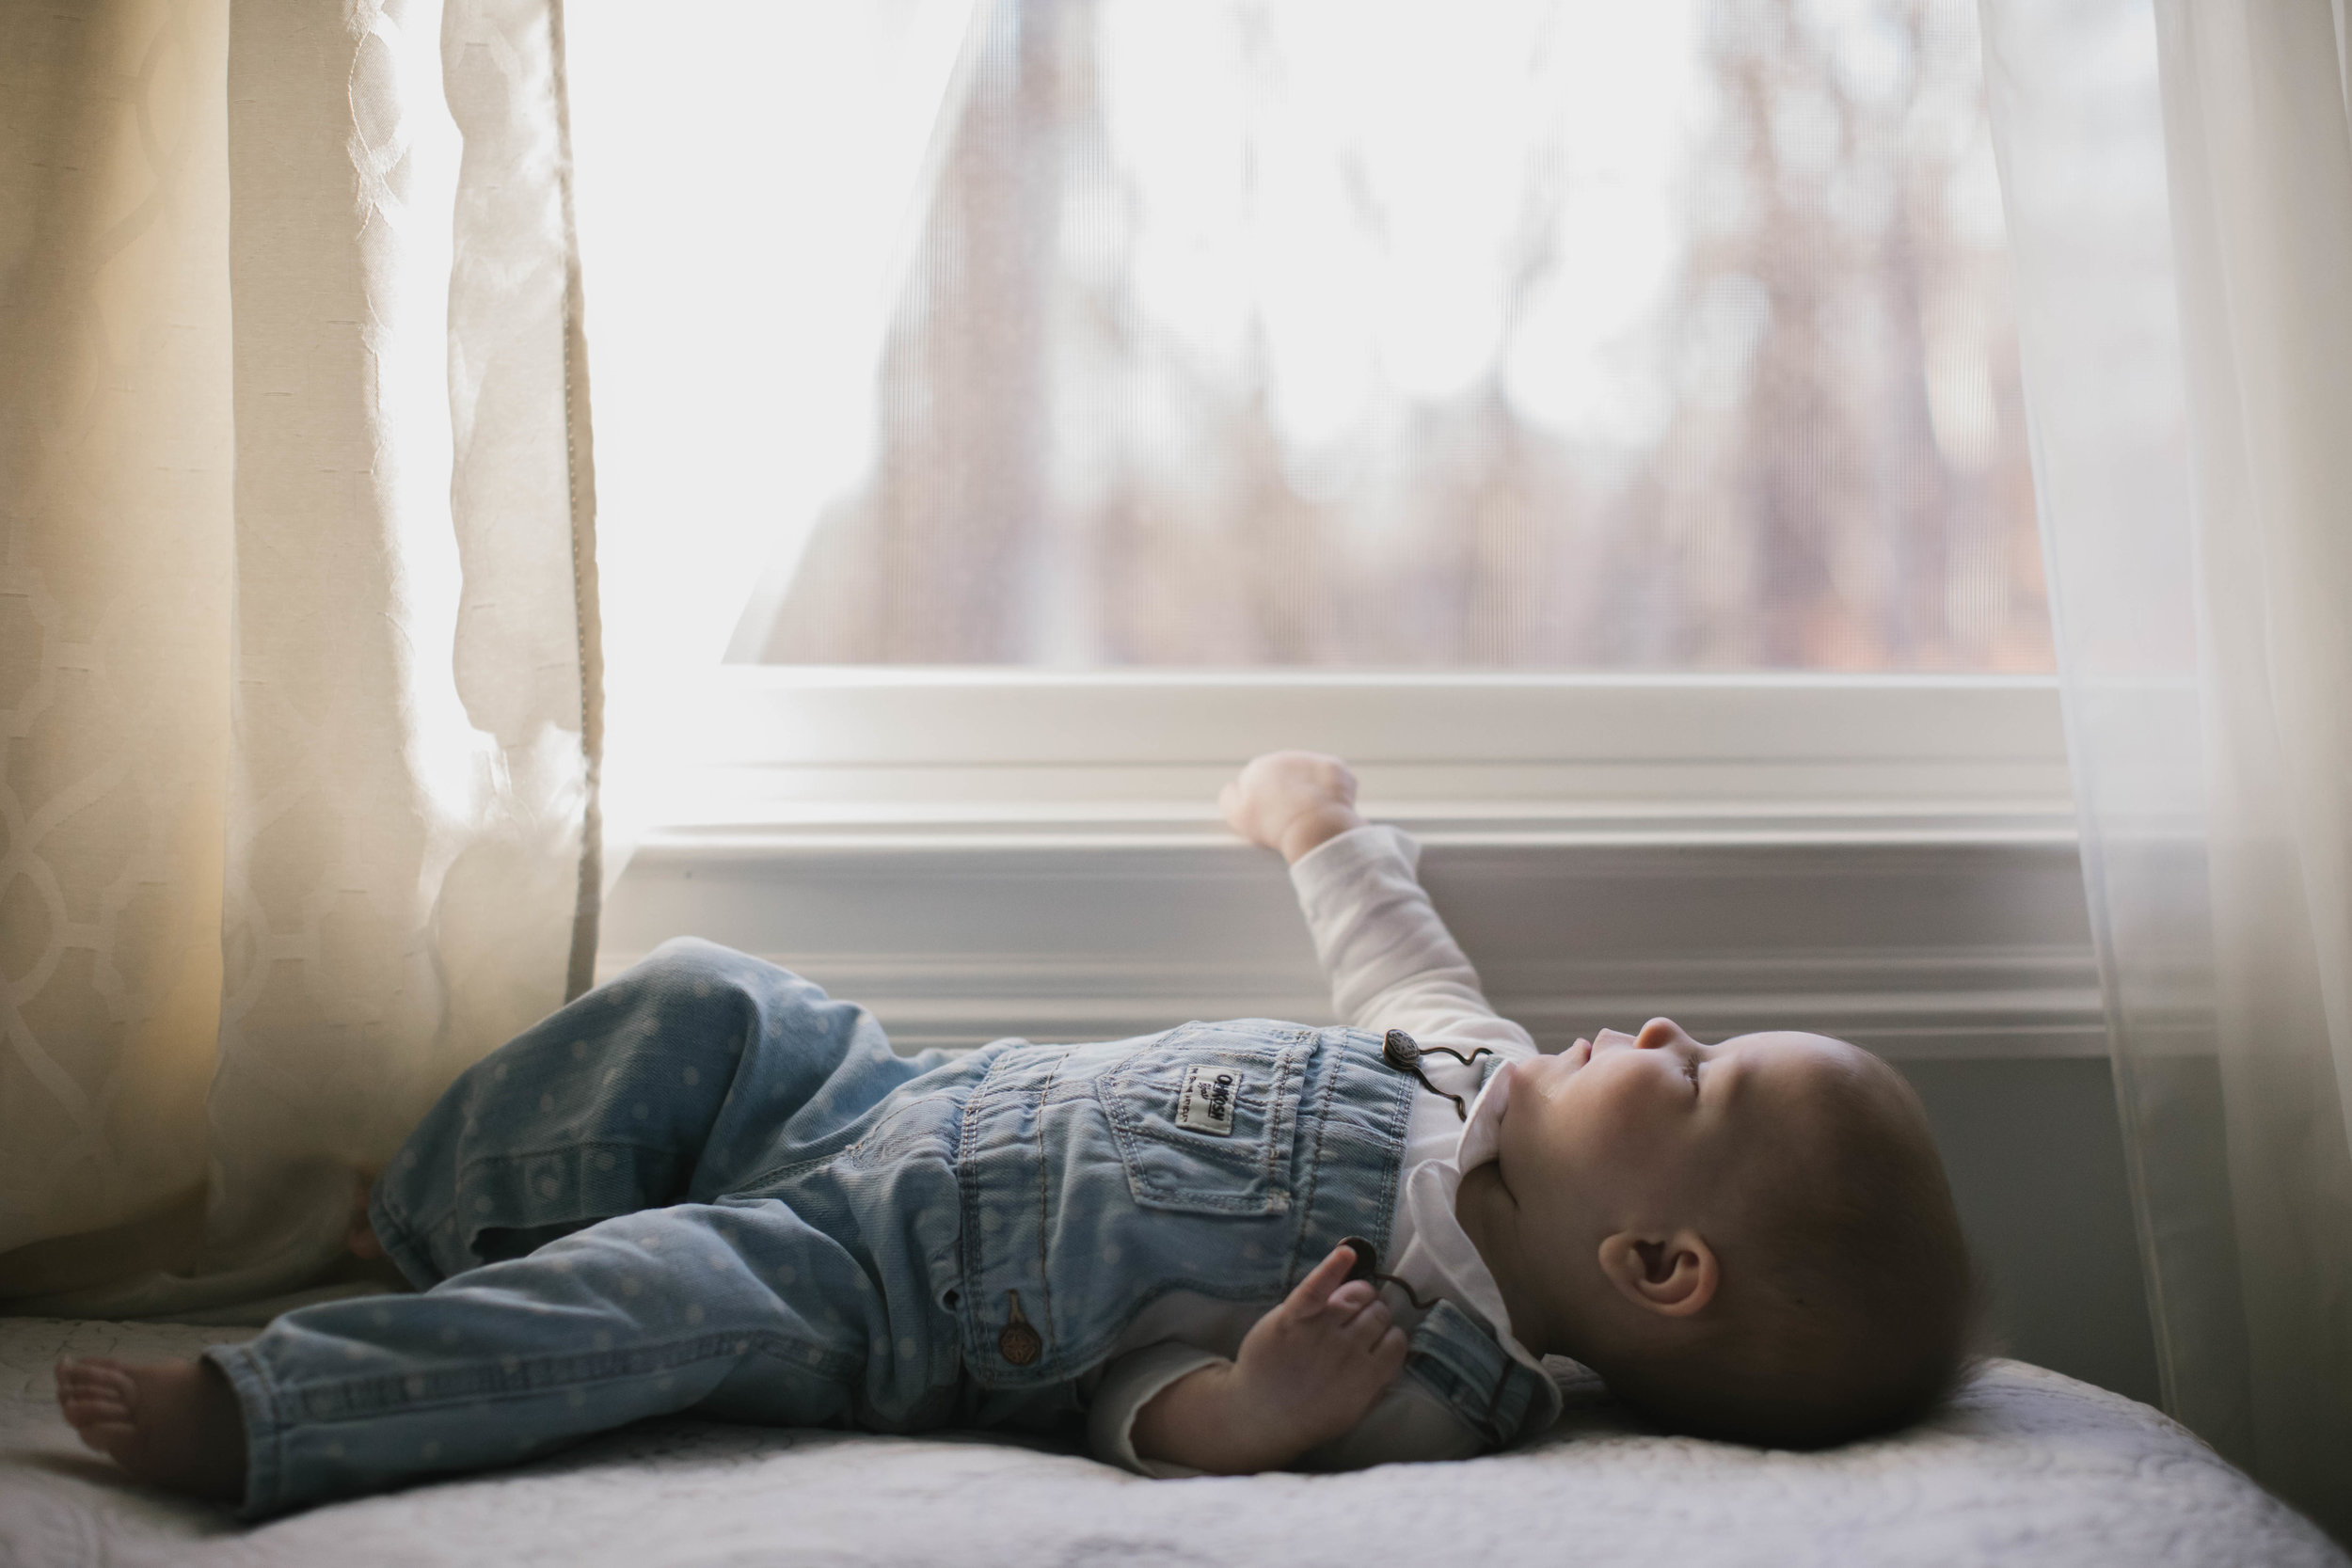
1205,1103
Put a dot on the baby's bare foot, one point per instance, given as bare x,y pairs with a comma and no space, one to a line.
170,1423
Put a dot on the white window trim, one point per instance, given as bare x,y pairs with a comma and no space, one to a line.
939,754
984,852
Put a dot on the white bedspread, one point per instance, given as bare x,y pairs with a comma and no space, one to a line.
2027,1469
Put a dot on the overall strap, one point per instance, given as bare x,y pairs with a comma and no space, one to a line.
1500,1399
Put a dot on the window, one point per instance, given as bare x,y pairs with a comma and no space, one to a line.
1507,336
1599,421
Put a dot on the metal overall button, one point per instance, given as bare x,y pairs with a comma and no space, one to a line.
1405,1054
1018,1343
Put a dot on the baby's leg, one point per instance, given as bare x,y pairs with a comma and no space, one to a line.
675,1082
745,1310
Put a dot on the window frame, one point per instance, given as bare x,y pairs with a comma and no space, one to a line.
980,853
909,753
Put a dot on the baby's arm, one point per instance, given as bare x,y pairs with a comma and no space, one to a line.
1391,960
1306,1372
1309,1371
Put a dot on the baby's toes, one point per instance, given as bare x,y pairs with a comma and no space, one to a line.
78,1377
98,1399
96,1385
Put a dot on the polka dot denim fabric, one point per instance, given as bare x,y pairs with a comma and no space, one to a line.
679,1081
707,1186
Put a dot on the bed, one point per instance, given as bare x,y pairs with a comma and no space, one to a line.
2026,1468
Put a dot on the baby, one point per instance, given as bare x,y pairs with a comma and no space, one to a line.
1229,1247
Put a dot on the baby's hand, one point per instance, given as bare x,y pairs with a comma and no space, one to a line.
1291,801
1306,1372
1314,1365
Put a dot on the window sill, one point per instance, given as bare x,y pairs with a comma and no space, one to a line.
976,854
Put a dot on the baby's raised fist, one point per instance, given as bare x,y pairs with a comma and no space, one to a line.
1291,801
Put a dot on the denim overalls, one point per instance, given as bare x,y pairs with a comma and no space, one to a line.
704,1186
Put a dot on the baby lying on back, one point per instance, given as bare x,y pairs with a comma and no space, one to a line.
1231,1247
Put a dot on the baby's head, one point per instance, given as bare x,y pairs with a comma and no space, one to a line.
1752,1239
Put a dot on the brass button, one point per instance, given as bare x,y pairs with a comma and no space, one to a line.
1018,1343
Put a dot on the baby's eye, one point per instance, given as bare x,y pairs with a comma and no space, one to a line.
1691,1070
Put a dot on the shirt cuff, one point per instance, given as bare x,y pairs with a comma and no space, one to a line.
1128,1384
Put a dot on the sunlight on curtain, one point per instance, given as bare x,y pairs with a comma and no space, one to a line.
2179,186
332,245
116,455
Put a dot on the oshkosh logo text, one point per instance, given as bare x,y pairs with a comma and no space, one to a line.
1205,1103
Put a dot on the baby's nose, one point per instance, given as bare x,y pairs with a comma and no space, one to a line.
1658,1033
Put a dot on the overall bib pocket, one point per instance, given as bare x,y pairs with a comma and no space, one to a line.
1203,1117
1216,1160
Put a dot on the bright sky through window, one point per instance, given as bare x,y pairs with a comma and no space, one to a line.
1102,333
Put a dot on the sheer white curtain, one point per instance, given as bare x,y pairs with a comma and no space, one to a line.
298,650
2178,180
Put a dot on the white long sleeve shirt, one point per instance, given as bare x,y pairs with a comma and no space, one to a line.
1391,965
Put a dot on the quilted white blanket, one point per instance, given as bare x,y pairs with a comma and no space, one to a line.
2027,1468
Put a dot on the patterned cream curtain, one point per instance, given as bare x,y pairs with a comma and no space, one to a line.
299,644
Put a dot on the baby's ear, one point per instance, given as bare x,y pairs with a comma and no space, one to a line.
1673,1276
